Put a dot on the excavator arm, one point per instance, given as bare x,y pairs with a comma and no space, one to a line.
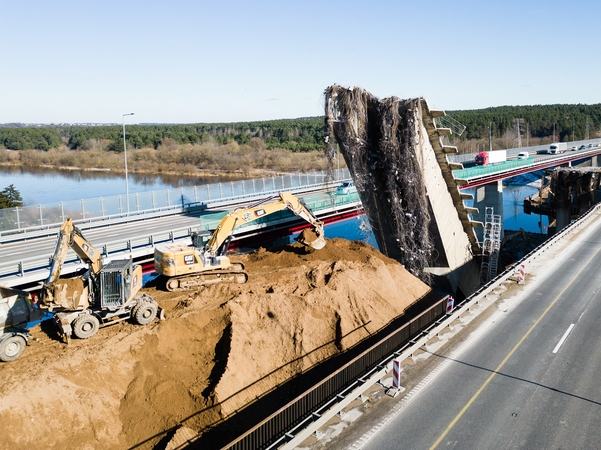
69,236
263,208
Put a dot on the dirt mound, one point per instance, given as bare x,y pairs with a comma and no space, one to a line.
219,349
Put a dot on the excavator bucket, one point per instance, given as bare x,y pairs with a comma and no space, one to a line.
311,237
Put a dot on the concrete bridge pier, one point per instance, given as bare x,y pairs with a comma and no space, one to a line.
563,212
490,195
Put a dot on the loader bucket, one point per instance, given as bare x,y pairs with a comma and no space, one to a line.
311,237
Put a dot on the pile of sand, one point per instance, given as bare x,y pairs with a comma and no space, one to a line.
219,349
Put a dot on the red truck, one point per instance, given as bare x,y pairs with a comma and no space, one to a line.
495,156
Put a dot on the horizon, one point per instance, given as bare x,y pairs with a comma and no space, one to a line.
6,124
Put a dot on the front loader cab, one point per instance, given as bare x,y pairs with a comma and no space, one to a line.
118,282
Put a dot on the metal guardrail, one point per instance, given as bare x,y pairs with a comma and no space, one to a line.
512,152
487,169
142,245
312,409
275,430
42,217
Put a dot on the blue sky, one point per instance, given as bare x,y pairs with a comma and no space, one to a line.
228,61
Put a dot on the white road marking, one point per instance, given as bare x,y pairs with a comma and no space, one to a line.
406,400
563,338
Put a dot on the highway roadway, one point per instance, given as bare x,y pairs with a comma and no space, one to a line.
527,378
132,237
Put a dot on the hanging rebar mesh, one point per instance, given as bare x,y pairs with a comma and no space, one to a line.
378,140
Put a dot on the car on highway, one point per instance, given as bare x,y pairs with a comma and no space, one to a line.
346,188
523,155
590,146
574,148
582,147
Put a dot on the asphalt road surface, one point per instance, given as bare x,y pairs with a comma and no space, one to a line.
529,380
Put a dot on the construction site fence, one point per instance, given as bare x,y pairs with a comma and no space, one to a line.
271,432
35,217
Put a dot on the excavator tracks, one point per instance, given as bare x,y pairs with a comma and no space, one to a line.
234,274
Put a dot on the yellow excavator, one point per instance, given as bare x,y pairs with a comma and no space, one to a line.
102,295
205,261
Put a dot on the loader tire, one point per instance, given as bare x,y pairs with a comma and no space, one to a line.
11,348
145,312
85,326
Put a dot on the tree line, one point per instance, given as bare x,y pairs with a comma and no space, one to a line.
565,122
297,135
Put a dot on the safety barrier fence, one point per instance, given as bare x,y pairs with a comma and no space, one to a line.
28,218
312,408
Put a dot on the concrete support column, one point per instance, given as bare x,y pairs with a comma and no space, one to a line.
562,213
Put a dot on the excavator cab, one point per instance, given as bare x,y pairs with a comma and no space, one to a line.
201,238
117,280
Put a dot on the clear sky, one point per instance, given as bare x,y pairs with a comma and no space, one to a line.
186,61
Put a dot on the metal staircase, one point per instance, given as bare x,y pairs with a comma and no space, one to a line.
491,244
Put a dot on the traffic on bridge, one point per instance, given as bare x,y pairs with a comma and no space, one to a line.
520,161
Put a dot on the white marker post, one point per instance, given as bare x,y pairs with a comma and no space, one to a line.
396,379
522,273
450,305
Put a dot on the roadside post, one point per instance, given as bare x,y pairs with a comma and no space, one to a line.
396,387
521,273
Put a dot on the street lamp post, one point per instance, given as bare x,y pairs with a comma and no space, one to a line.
125,153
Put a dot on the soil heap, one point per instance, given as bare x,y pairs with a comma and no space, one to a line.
219,349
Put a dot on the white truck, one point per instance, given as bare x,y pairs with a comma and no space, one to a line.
558,147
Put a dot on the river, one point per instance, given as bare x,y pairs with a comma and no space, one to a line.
45,186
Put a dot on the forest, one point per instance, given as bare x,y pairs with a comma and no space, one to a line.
565,122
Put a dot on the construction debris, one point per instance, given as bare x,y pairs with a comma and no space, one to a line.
377,139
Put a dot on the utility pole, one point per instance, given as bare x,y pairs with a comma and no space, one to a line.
587,130
517,142
573,131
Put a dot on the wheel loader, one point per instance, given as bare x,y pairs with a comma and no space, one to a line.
102,295
205,261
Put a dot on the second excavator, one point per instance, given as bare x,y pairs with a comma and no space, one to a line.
205,261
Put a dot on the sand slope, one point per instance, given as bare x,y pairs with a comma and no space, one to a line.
218,350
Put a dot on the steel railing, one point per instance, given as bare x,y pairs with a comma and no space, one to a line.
29,219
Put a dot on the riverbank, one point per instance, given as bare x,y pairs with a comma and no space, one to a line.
185,160
204,173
